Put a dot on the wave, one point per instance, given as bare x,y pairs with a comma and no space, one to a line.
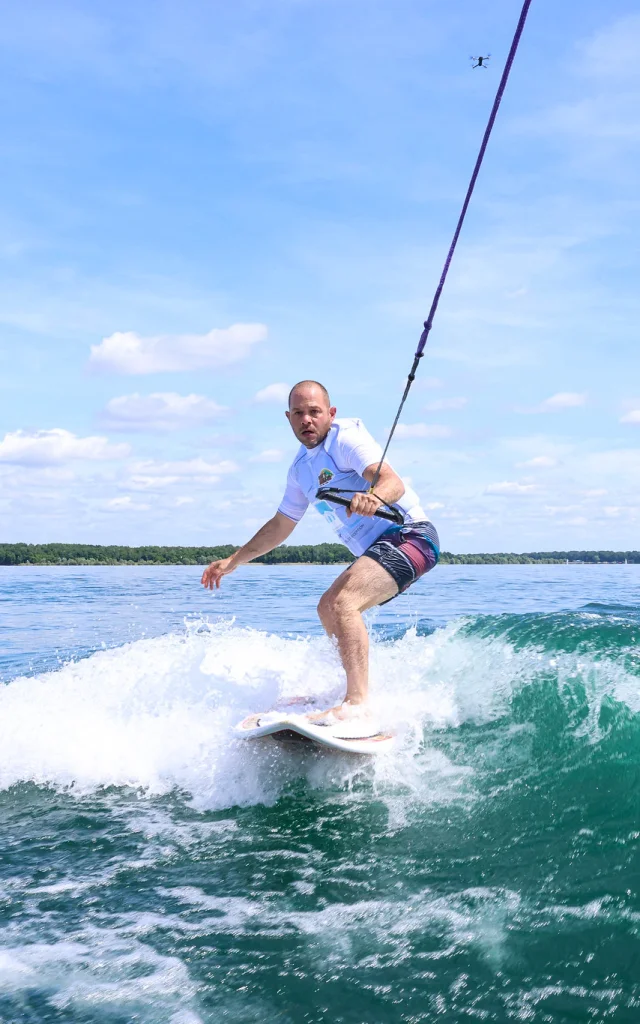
514,693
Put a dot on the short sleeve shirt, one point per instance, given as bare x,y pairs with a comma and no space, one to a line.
340,461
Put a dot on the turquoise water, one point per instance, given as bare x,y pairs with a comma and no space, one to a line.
154,869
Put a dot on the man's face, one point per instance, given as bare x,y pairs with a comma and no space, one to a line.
310,415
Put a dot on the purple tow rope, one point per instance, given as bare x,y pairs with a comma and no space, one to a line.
428,324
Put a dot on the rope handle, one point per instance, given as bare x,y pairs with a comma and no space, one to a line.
335,495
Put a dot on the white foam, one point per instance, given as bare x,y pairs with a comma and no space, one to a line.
477,917
101,968
158,714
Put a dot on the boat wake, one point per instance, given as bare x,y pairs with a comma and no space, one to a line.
157,715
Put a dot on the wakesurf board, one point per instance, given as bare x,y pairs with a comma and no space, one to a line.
351,737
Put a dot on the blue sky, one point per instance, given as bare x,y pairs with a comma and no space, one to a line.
205,202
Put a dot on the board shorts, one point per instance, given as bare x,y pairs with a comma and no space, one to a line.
406,552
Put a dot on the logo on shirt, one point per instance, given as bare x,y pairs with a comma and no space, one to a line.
325,476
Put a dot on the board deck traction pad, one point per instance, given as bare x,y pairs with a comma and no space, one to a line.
348,737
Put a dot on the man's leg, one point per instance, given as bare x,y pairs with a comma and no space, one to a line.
362,586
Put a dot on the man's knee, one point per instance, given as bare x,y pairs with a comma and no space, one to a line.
324,607
335,604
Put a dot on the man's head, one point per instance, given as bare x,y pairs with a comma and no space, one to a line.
310,412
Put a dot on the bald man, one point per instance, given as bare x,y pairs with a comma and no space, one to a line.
388,558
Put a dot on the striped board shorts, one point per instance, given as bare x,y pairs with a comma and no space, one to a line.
406,552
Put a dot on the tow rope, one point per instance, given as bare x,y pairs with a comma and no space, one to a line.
334,494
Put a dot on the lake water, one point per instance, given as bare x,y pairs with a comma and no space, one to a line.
155,869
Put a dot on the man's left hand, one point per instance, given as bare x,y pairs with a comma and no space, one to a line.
364,505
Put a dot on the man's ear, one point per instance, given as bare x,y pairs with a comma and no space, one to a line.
333,412
288,415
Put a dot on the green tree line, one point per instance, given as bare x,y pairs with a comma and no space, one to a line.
543,558
118,554
320,554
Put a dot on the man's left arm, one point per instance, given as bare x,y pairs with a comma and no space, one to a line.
389,489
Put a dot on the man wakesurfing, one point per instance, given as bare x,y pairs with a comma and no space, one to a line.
388,558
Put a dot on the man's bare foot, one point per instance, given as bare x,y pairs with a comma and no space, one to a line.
345,712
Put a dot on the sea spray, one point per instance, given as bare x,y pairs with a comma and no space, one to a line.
158,714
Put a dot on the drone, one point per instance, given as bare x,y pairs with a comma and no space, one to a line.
481,62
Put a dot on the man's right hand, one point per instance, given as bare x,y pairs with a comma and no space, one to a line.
213,573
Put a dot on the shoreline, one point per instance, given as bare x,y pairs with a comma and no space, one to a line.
269,565
61,554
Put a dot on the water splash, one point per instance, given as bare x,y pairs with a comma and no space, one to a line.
157,714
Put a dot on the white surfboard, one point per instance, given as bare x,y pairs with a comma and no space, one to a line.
353,737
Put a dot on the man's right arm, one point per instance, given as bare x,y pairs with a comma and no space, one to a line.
267,538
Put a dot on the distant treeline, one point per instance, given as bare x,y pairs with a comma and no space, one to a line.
319,554
543,558
117,554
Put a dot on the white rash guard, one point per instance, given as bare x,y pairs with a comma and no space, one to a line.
340,461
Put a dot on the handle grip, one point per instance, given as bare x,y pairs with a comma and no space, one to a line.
394,515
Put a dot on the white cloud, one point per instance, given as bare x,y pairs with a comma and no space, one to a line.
510,487
184,500
613,51
144,482
49,447
556,403
607,107
273,393
621,463
38,476
446,403
631,417
538,462
432,382
125,505
269,455
563,400
624,511
162,410
432,505
151,474
128,352
560,510
596,117
413,430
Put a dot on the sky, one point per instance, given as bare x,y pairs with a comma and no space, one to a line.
204,202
